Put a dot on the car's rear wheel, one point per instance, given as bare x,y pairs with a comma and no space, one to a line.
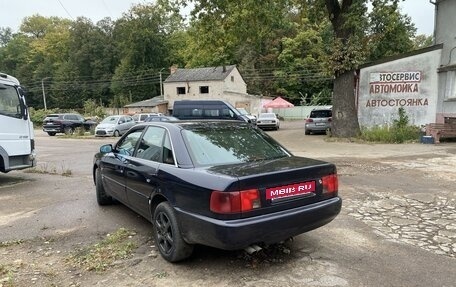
116,133
168,237
68,130
51,134
307,132
102,197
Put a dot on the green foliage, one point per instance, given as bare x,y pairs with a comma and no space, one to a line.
390,32
92,109
281,47
403,120
422,41
37,116
399,132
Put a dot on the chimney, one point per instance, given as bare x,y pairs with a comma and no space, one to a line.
173,69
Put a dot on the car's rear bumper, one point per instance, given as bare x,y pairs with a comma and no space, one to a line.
267,126
313,127
52,129
269,228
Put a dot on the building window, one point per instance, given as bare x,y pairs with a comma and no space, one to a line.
450,85
204,89
181,90
232,78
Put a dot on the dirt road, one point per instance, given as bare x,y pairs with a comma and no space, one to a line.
397,226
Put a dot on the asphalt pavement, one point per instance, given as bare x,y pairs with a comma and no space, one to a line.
397,226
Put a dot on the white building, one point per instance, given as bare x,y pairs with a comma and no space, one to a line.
212,83
422,82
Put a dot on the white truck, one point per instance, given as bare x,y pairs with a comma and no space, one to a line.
17,141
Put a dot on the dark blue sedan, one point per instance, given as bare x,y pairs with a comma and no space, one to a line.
223,184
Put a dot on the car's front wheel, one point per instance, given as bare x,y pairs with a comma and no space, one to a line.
167,235
68,130
116,133
102,197
51,134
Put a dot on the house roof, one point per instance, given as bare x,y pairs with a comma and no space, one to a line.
201,74
155,101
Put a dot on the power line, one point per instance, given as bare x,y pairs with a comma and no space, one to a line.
65,10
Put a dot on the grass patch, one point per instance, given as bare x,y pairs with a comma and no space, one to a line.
399,132
50,169
100,256
10,243
6,275
391,134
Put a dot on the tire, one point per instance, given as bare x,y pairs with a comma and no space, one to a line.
307,132
167,235
116,133
68,130
51,134
102,197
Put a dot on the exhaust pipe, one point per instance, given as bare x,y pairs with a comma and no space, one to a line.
252,249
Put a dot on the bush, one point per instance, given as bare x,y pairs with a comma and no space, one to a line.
37,116
400,132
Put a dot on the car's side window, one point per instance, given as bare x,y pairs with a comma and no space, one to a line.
128,144
155,146
167,150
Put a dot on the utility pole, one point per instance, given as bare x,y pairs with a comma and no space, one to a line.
161,83
44,94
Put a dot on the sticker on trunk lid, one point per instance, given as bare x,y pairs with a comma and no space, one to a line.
290,190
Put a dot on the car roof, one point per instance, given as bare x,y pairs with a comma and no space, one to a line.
189,124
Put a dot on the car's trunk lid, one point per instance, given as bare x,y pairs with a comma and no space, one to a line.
283,183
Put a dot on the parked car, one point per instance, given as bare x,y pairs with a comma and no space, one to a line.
66,123
161,119
139,118
319,121
268,121
224,184
251,117
114,126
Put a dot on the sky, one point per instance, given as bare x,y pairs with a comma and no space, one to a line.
12,12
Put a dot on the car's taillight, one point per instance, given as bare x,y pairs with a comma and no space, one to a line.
235,202
330,183
309,121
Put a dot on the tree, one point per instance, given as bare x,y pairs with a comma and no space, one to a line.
143,37
347,18
243,32
6,34
422,41
351,48
303,73
390,32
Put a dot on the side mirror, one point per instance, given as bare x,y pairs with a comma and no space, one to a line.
23,105
107,148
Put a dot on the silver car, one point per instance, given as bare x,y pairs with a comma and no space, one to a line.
114,126
319,121
268,121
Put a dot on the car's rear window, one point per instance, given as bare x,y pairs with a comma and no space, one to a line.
321,114
267,116
230,144
51,117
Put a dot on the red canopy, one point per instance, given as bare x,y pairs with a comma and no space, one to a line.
278,103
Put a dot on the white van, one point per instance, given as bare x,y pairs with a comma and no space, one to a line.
17,142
